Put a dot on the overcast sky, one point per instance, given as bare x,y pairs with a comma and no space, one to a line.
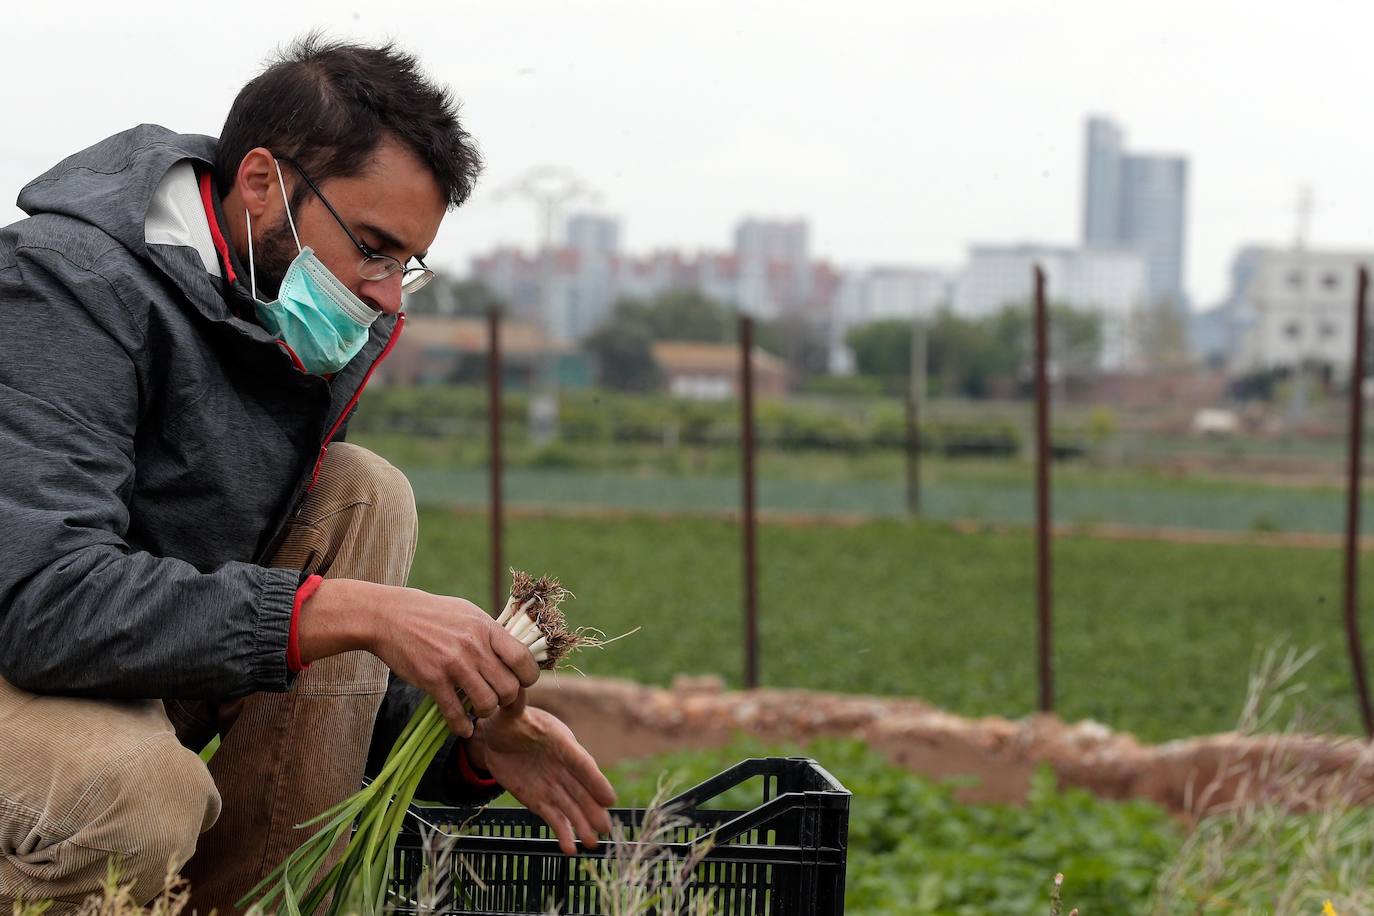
901,131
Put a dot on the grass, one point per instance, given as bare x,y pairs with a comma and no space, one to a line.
1155,638
451,472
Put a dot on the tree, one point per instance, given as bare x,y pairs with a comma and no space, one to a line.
623,344
962,355
467,297
881,348
1075,342
686,314
623,347
980,357
800,344
1160,336
966,357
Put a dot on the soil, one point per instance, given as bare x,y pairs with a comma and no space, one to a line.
619,720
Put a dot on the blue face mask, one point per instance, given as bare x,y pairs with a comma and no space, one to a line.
314,314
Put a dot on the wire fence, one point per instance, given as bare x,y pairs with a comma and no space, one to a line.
1054,465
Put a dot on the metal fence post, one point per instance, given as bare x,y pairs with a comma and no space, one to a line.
915,395
1042,494
1352,506
494,373
751,625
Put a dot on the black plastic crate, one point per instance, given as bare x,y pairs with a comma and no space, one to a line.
783,857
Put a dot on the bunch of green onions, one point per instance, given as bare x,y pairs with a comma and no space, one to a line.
375,815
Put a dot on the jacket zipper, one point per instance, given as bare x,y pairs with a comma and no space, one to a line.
353,401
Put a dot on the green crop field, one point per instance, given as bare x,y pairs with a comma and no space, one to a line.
914,849
1156,638
1139,500
450,472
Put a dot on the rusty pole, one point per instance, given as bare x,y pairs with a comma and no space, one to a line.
915,395
498,570
1352,505
751,622
1042,493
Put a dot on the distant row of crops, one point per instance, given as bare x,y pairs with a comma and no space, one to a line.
604,417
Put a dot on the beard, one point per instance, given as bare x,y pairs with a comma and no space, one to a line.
273,254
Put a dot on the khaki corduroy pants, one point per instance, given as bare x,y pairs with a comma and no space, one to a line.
82,780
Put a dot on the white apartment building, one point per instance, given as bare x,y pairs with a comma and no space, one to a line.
1113,282
774,266
888,293
1293,306
884,293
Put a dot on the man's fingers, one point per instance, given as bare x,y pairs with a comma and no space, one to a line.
516,656
452,710
583,767
596,815
481,697
600,787
580,822
503,683
554,817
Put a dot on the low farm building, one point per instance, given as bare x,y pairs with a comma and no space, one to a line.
438,350
710,371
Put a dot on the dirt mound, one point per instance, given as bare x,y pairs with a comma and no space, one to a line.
620,720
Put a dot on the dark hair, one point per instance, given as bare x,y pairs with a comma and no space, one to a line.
330,104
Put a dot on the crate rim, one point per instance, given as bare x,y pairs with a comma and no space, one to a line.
836,796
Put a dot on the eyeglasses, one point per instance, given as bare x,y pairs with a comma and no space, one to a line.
374,265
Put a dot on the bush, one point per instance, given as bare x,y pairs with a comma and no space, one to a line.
844,386
554,456
597,417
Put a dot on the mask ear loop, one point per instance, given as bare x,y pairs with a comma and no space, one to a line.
252,270
281,183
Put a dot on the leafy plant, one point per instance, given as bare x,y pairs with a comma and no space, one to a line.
913,848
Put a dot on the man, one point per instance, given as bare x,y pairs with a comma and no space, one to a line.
191,549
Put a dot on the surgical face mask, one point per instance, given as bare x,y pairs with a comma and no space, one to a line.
314,314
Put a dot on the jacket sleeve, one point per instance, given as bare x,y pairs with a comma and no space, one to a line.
443,782
81,612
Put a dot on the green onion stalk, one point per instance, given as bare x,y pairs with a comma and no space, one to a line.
371,819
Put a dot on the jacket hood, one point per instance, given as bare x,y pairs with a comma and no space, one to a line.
113,185
110,185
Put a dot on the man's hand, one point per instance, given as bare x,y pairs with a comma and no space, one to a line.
441,645
535,757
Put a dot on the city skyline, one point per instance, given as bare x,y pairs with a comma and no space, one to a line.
901,133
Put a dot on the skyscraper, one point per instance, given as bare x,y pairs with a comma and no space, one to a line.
774,266
585,280
1137,202
592,233
1102,183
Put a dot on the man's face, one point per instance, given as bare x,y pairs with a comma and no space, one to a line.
393,207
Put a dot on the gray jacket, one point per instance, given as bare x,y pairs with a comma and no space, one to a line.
154,440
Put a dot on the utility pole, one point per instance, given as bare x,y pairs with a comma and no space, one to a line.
1304,217
1297,406
550,189
915,400
1352,505
1043,531
747,444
